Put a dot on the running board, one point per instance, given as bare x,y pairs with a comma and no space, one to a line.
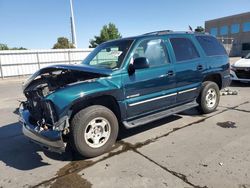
158,115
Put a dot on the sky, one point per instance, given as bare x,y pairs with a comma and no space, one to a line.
36,24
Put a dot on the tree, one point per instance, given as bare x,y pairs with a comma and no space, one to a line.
4,47
199,29
18,48
63,43
108,32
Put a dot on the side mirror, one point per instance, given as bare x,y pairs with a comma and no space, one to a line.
131,69
141,63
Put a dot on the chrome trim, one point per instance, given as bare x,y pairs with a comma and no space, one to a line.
161,97
188,90
132,96
153,99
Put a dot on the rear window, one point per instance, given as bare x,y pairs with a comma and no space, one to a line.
211,45
184,49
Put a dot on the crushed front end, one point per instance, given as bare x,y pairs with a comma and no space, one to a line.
40,121
49,92
41,134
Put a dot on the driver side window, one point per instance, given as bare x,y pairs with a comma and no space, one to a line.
154,50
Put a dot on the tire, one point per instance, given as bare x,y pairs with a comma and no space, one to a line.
94,131
209,97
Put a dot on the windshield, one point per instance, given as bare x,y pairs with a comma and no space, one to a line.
248,56
109,55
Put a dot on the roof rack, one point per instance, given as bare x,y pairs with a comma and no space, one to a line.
163,32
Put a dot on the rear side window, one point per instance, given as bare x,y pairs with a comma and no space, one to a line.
184,49
211,45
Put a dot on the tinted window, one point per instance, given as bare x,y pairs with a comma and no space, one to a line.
154,50
224,30
235,28
211,46
214,31
184,49
246,46
246,27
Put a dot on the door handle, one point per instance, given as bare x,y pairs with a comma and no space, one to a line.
199,67
170,73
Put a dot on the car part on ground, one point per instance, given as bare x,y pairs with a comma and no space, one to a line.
228,91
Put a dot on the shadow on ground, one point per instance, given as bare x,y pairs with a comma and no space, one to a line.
239,84
19,153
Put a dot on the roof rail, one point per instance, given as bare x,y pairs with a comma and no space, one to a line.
163,32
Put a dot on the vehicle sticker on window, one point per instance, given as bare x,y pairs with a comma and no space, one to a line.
115,53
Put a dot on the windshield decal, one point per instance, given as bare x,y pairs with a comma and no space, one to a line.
115,53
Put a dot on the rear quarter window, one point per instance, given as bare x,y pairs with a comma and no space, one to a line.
211,45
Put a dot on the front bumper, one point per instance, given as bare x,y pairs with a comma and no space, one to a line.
48,139
236,78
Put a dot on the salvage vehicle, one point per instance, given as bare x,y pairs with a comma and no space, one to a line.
127,82
240,70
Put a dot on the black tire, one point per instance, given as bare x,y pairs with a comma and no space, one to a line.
79,124
204,107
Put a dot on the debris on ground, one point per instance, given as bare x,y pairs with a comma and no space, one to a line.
221,164
227,124
228,91
204,165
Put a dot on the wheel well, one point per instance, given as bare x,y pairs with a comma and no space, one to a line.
106,100
216,78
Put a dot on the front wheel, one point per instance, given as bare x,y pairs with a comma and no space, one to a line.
209,97
94,131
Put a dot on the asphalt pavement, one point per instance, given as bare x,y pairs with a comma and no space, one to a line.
184,150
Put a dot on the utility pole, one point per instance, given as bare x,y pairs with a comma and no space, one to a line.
72,21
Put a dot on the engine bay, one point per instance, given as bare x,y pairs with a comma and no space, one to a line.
42,111
49,82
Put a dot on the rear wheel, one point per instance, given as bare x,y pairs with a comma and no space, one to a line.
94,131
209,97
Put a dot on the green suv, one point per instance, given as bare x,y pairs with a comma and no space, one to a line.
127,82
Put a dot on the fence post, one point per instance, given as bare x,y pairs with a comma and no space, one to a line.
1,68
69,57
38,61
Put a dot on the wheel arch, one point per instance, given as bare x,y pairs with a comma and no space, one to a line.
107,101
216,78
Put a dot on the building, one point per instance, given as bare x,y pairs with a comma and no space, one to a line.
233,32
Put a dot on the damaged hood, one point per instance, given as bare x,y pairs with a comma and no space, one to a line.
78,67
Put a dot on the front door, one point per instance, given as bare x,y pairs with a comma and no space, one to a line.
152,88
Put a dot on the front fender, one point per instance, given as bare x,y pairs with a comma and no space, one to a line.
64,98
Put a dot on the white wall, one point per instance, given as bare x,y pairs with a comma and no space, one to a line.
24,62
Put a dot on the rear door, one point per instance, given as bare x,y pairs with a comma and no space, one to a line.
152,88
189,67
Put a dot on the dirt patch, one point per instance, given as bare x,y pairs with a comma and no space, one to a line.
71,181
69,177
227,124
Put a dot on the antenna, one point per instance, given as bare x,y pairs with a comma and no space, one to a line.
72,21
